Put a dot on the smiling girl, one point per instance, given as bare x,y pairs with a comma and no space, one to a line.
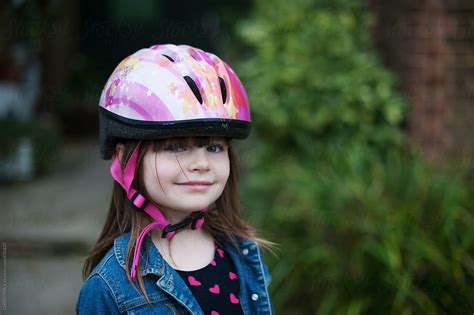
174,241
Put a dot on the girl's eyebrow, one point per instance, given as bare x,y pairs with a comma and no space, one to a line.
217,141
209,141
221,140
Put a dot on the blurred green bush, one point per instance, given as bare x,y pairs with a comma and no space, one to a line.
364,225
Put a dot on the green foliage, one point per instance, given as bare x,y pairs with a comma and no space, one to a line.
314,78
364,227
382,236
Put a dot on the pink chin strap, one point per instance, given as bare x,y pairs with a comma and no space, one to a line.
125,178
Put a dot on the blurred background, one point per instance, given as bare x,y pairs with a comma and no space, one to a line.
360,164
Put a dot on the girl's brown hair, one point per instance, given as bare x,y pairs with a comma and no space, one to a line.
223,221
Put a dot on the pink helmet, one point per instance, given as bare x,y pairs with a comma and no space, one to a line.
172,91
168,91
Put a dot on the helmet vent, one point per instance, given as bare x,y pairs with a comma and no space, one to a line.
194,88
223,90
168,57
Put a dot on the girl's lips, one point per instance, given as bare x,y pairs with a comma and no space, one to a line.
196,185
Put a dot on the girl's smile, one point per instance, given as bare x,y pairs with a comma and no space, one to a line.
196,185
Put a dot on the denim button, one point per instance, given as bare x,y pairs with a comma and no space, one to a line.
245,251
254,297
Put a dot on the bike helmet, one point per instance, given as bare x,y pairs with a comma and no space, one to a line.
168,91
171,91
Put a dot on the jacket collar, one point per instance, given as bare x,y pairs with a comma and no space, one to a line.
151,260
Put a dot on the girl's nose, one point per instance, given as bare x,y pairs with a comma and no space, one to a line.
199,160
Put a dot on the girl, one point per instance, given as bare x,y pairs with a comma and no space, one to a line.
173,241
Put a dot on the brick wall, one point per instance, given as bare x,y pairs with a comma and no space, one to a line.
430,45
461,40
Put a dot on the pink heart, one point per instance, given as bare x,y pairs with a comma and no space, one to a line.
233,299
213,262
215,289
221,252
214,313
193,281
232,276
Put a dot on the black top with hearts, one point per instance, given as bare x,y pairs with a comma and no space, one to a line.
216,286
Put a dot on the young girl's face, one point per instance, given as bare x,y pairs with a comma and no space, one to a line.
183,178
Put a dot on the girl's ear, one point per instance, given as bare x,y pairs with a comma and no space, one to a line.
119,148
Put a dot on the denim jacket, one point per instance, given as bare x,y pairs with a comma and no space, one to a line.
107,290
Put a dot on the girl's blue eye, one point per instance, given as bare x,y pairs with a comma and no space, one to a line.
215,148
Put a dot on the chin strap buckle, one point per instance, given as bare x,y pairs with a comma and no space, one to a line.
195,221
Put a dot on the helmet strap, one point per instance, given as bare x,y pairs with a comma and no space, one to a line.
125,178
